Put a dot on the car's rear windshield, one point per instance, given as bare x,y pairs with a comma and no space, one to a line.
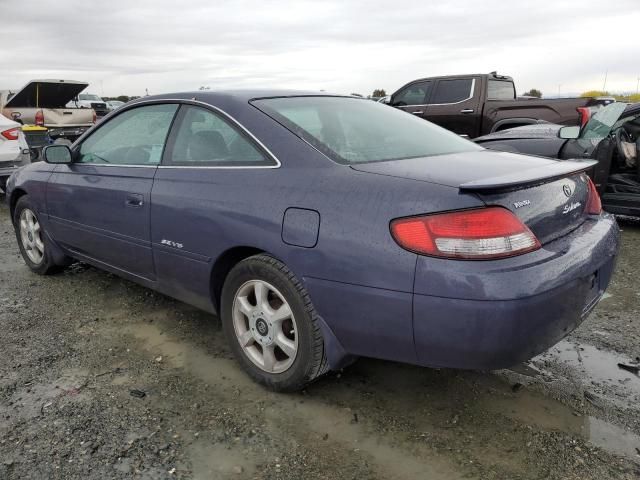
500,90
351,130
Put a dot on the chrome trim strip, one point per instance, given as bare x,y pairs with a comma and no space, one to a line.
125,165
473,89
228,167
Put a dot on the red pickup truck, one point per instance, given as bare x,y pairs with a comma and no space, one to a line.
478,104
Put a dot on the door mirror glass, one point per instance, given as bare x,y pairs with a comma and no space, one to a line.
57,154
569,132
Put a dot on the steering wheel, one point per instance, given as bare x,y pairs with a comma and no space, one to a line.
621,135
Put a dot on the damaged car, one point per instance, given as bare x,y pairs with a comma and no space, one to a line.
611,136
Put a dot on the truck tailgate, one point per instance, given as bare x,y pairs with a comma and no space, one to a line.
68,117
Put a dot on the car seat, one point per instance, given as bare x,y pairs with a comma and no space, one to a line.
207,145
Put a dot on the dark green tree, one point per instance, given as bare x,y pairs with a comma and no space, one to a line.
534,92
379,92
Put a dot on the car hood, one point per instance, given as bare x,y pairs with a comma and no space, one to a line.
471,170
46,94
535,131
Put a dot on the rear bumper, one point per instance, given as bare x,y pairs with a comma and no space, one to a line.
67,132
7,168
511,310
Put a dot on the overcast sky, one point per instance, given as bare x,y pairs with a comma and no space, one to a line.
127,46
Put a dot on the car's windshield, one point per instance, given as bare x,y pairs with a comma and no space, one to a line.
351,130
88,96
602,122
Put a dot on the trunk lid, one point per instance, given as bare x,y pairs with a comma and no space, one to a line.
549,196
550,209
46,94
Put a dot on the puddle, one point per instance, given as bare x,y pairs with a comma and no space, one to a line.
598,374
597,369
217,460
180,354
31,401
550,414
286,413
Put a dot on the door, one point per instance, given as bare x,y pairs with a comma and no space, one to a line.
413,98
99,206
455,105
204,199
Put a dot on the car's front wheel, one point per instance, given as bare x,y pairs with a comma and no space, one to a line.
31,237
271,325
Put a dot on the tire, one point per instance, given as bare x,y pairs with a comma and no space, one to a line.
290,372
3,184
45,265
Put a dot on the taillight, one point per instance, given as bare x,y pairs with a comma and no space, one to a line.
95,117
492,232
594,204
11,134
585,115
40,118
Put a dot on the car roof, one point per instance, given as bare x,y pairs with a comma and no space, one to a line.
240,95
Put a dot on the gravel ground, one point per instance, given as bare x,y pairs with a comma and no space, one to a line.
101,378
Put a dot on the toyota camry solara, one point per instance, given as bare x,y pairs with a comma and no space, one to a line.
322,228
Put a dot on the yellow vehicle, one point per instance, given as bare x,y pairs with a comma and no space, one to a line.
37,138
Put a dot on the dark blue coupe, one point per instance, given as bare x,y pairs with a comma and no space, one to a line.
322,228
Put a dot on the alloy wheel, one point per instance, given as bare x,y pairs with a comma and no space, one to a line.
31,236
265,326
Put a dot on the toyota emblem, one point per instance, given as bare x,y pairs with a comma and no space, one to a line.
567,190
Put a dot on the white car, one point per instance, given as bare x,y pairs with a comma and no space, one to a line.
14,150
114,104
90,100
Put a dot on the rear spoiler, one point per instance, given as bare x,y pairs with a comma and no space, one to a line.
532,175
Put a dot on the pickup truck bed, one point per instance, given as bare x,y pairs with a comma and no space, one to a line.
43,103
478,104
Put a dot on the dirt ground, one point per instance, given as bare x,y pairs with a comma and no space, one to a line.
101,378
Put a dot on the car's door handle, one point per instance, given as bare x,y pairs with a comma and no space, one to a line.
134,200
467,110
418,112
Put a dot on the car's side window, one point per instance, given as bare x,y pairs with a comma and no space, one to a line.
452,91
135,137
204,138
414,94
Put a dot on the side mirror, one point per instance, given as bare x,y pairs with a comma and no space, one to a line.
57,154
569,132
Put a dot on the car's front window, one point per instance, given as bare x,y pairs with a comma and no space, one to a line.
135,137
351,130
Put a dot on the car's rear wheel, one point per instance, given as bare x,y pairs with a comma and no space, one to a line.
271,324
33,243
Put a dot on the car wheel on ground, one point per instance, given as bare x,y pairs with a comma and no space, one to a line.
271,325
33,243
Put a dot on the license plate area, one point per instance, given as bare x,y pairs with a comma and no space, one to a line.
593,293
